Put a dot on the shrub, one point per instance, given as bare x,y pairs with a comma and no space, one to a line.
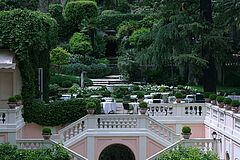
119,92
109,12
80,44
136,88
212,96
112,21
59,56
178,95
235,103
59,78
220,99
227,101
186,129
21,4
12,99
74,89
91,105
53,89
18,97
123,6
137,34
67,84
76,11
126,28
206,94
140,95
46,131
143,105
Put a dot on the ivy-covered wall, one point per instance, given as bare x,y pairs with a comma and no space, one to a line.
30,35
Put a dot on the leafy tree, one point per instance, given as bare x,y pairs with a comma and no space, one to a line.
59,56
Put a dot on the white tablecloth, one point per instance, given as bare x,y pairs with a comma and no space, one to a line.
109,106
135,106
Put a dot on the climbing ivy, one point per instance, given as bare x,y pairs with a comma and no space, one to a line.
30,35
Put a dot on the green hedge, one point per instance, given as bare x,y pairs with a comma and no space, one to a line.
59,112
93,71
21,4
112,21
76,11
10,152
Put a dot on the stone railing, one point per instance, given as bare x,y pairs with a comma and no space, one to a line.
224,121
11,117
30,144
177,111
119,122
203,144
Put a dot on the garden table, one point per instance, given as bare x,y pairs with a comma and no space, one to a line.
109,106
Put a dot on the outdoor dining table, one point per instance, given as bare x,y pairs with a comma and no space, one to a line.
135,106
109,107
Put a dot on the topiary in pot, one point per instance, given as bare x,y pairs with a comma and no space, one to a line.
227,102
91,107
12,102
220,100
140,95
235,106
46,133
143,107
19,99
178,96
186,132
213,97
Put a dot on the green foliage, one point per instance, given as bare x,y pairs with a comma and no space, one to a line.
53,89
112,21
10,152
123,6
109,12
136,35
143,105
186,129
189,153
206,94
74,89
67,84
18,97
91,105
59,56
227,101
213,96
46,131
76,11
21,4
178,95
235,103
220,99
140,94
120,92
126,28
135,88
30,35
110,4
12,99
80,44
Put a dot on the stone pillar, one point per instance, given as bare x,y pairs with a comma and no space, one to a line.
142,148
90,148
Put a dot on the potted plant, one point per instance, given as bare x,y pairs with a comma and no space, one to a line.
91,107
46,133
186,132
235,106
178,96
12,102
140,95
19,99
143,107
220,100
206,97
227,102
213,97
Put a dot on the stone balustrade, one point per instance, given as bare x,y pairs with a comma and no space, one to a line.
31,144
203,144
117,122
10,116
177,111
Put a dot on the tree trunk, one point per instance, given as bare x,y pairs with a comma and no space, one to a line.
210,72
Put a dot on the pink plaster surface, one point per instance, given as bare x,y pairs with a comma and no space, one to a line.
153,147
80,147
198,130
3,137
102,142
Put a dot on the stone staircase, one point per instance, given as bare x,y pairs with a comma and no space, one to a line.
109,80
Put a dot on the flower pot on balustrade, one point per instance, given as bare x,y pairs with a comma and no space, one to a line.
90,111
143,107
221,105
143,111
186,132
186,135
46,133
46,136
235,109
91,107
12,105
235,106
228,107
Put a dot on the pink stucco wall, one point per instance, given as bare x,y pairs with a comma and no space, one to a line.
171,126
102,142
80,147
198,130
153,147
3,137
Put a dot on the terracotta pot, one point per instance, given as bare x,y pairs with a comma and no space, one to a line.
221,105
186,135
46,136
143,110
12,105
178,100
235,109
228,107
90,111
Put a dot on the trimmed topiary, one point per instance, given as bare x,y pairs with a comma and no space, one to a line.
178,95
212,96
46,131
186,129
143,105
12,99
235,103
220,99
227,101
